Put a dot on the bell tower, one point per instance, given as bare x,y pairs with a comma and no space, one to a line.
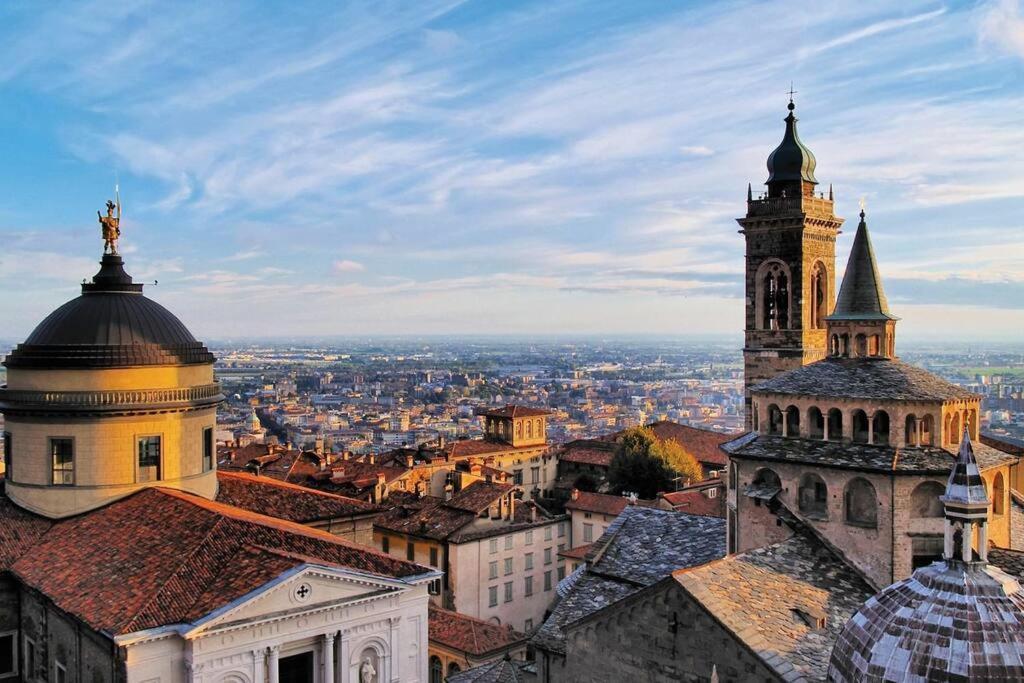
790,233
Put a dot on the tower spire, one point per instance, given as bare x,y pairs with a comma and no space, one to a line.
966,507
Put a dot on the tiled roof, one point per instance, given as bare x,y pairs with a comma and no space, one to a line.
947,622
517,411
527,515
278,499
1010,561
162,557
602,503
465,448
584,453
641,547
876,379
769,598
473,636
703,444
1005,444
427,517
479,496
965,486
577,553
498,671
862,457
696,502
19,531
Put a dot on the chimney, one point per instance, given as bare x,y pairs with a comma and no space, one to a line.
575,494
440,441
346,455
380,492
533,513
448,491
410,461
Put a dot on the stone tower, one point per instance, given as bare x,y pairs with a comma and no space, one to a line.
791,233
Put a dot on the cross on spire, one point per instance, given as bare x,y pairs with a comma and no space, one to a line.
791,92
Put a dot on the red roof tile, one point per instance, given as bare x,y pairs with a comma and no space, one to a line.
597,502
479,496
469,635
279,499
702,443
587,455
697,503
19,531
163,557
577,553
427,517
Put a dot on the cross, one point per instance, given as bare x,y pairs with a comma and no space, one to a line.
303,591
791,91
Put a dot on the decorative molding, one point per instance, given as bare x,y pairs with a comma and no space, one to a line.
110,401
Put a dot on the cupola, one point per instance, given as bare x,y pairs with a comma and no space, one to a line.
791,164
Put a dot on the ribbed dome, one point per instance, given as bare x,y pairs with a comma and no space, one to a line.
110,325
791,160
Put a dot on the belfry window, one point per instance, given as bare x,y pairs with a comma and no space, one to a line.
819,283
149,458
775,303
62,456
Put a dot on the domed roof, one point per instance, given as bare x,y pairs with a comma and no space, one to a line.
112,324
791,160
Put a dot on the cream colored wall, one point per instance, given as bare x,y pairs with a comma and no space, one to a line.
579,519
160,660
105,458
148,377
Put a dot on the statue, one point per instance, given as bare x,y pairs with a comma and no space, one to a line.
110,225
367,674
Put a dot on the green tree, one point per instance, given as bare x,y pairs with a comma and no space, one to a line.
646,465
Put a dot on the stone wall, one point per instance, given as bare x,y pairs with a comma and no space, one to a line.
659,635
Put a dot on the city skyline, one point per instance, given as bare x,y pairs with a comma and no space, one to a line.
447,168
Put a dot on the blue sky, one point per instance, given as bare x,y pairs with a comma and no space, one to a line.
552,167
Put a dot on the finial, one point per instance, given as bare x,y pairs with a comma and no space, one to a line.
830,196
750,193
792,92
863,204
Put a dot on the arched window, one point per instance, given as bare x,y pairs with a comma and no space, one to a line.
436,670
860,503
813,496
834,343
774,420
954,428
910,427
815,423
819,296
998,494
844,344
519,429
860,426
792,421
540,428
835,425
925,502
453,668
529,429
927,428
767,478
874,347
861,342
880,428
971,422
772,306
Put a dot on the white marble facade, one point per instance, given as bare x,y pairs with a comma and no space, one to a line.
315,624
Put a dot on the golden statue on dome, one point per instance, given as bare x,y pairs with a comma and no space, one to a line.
111,225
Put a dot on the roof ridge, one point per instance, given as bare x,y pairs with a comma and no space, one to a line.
270,481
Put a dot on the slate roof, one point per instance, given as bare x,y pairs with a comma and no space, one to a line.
499,671
427,517
641,547
1010,561
161,557
861,457
278,499
965,486
770,597
479,496
475,637
876,379
861,296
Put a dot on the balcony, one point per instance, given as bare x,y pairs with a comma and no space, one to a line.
783,206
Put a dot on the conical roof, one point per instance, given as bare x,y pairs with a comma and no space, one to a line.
965,486
791,160
861,296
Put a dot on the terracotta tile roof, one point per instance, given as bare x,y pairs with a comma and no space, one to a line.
577,553
703,444
469,447
584,453
602,503
516,411
479,496
427,517
697,502
286,501
163,557
762,595
472,636
19,531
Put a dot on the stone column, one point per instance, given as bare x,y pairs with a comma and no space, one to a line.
983,541
968,534
871,427
947,545
341,673
273,664
259,666
327,656
396,650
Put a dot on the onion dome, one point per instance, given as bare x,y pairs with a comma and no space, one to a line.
791,160
112,324
959,619
861,296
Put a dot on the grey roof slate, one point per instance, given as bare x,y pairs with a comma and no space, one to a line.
876,379
499,671
861,296
854,456
641,547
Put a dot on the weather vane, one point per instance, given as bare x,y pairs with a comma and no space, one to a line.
111,223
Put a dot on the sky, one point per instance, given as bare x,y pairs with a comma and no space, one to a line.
489,167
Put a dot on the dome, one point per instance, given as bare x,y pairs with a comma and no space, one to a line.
944,623
112,324
791,160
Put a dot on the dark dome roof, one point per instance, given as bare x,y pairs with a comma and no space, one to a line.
791,160
110,325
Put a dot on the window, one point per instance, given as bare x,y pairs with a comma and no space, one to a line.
8,655
9,456
61,673
547,580
385,544
998,495
30,658
925,501
492,596
835,425
517,477
207,449
774,420
529,538
62,458
529,561
433,557
528,586
508,591
561,547
712,493
534,475
861,503
561,530
815,423
508,542
494,545
819,287
434,587
547,555
560,573
436,670
508,566
860,426
453,668
410,551
588,533
813,496
149,458
880,428
587,515
493,570
528,625
547,533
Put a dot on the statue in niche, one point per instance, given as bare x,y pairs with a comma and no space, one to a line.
367,674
